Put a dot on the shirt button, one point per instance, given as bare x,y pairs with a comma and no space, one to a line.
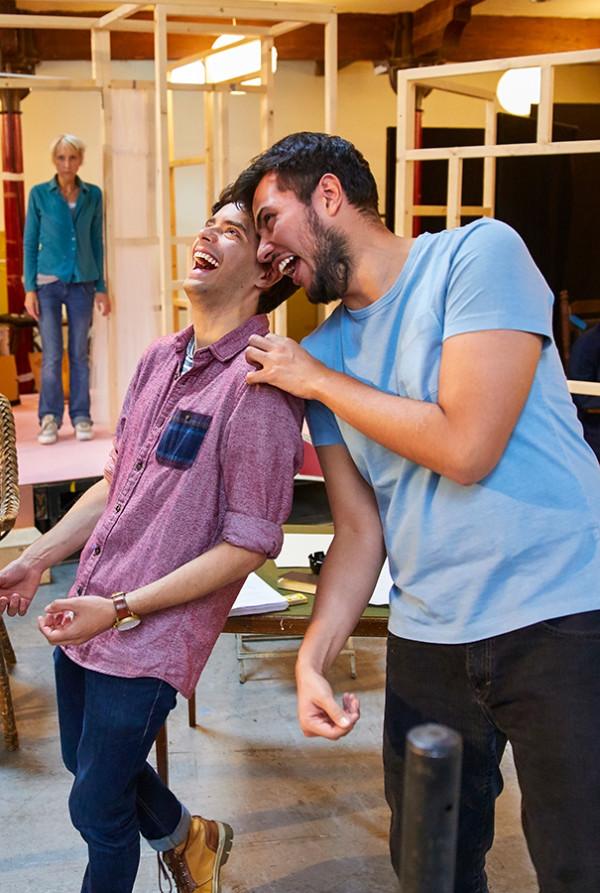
176,376
96,550
117,508
139,466
79,590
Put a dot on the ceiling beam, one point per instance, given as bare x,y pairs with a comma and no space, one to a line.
499,37
361,37
439,25
122,12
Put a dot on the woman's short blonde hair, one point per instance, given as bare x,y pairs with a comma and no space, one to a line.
73,142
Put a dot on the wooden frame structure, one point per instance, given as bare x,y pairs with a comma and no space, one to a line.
447,78
191,17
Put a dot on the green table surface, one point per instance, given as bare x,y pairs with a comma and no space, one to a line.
293,621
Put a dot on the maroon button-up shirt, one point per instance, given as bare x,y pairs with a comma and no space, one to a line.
198,459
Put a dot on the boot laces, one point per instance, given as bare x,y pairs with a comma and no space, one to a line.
163,875
177,867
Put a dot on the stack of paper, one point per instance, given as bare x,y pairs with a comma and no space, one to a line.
256,597
298,546
381,593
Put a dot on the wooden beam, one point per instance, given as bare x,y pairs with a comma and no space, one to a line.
361,36
265,10
162,168
330,75
122,12
51,45
440,24
498,37
459,69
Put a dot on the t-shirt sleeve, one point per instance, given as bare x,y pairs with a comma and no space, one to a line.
261,452
493,283
322,424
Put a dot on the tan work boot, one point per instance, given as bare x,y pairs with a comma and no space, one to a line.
196,863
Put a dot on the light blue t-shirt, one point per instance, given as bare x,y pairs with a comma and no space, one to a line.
523,544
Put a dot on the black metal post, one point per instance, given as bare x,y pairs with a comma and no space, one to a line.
430,809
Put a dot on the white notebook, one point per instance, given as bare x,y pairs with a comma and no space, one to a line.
256,597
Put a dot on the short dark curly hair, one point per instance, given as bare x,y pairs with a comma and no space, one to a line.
280,291
301,159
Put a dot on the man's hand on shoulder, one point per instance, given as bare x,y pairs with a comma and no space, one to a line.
283,363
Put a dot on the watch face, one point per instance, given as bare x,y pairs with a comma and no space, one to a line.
127,623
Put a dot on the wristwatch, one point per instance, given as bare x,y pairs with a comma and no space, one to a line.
126,619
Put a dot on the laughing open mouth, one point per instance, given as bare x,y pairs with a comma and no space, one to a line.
288,266
203,261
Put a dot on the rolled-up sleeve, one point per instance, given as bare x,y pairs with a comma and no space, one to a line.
262,450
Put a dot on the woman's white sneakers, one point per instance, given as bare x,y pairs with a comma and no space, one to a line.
84,431
49,431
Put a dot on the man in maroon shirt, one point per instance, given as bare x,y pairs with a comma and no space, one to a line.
192,500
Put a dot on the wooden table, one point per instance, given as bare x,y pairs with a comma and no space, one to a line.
275,624
294,620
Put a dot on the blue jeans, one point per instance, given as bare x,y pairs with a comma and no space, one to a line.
537,687
78,297
107,727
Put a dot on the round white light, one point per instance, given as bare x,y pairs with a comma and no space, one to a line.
518,89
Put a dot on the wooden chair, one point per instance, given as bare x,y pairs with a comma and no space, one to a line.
575,317
9,508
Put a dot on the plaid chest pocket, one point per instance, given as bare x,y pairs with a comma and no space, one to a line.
179,445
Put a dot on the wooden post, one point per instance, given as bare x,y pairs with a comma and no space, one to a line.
162,168
331,74
405,140
100,45
430,809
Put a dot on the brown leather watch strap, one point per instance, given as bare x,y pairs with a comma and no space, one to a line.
126,619
121,609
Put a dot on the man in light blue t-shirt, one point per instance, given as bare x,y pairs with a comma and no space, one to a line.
448,440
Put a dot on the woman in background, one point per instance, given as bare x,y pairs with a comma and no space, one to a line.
63,264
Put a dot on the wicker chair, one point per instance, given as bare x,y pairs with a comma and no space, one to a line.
9,508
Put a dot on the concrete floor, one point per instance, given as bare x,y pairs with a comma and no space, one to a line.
308,815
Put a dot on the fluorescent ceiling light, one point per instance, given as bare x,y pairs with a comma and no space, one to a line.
226,40
236,63
191,73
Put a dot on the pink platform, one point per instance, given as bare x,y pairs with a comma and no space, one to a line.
66,460
70,459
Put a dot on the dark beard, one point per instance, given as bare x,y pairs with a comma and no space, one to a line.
332,263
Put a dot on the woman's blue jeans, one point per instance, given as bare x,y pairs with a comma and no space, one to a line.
107,726
78,298
537,687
